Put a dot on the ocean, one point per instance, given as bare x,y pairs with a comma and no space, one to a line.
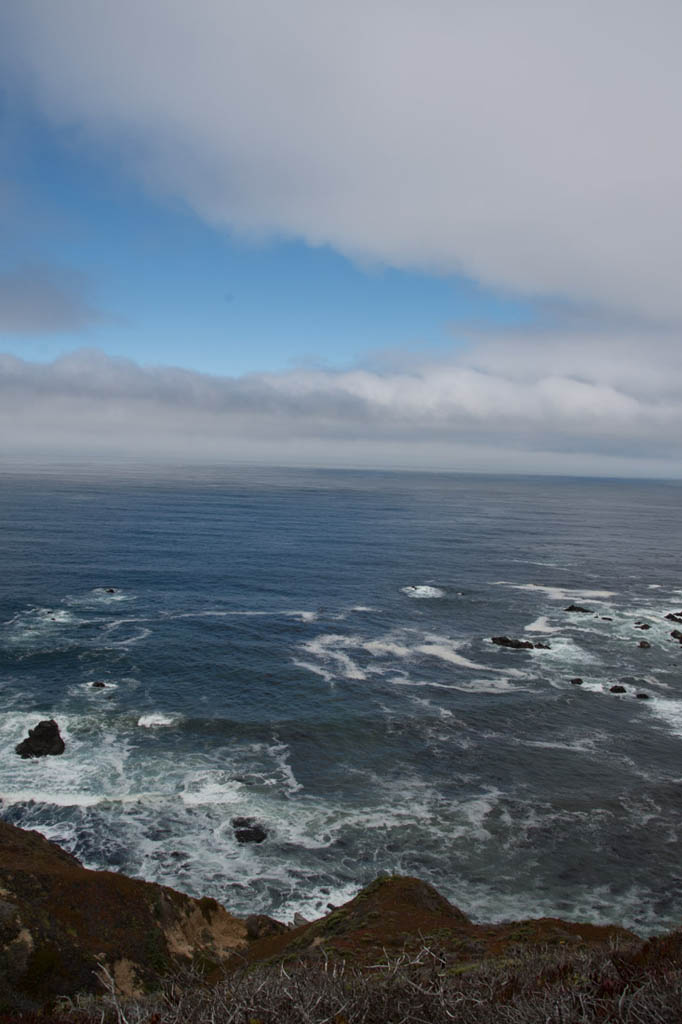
311,650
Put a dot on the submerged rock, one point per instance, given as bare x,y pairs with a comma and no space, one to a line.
644,643
676,635
505,641
642,696
674,616
98,685
577,681
42,740
246,830
642,625
578,608
542,646
618,689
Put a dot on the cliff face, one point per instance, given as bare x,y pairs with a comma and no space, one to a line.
60,921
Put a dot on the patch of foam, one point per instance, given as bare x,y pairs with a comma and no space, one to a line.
670,711
446,650
363,608
156,720
423,590
381,648
143,633
332,647
477,686
211,786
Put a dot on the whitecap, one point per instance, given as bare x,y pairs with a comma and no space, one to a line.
302,615
156,720
423,590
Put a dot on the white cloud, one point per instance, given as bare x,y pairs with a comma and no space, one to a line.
450,415
533,146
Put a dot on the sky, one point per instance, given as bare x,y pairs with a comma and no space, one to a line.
434,235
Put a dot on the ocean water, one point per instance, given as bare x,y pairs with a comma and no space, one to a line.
311,649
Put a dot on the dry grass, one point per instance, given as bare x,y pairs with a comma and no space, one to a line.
543,986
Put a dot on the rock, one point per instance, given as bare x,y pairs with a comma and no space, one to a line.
676,635
577,681
540,646
674,616
300,920
644,644
98,685
246,830
110,590
606,618
578,608
642,696
643,625
42,740
260,926
618,689
505,641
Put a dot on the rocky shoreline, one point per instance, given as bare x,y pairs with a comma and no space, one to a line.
65,929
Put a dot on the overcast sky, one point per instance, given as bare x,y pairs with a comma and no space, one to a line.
440,234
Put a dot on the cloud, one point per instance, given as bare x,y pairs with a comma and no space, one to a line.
43,300
531,146
489,409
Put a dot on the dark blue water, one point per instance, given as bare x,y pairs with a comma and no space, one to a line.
312,650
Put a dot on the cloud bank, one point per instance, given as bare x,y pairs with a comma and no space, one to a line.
495,409
532,146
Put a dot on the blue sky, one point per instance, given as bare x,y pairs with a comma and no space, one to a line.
435,235
166,287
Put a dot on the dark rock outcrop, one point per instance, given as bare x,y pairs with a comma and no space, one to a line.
247,830
42,740
674,616
617,689
577,681
98,685
676,634
642,625
542,645
644,644
642,696
505,641
578,608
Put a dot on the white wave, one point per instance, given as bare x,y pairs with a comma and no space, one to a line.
332,647
156,720
670,711
381,648
446,650
559,593
541,625
474,686
302,615
363,608
653,586
317,670
211,786
280,752
423,590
